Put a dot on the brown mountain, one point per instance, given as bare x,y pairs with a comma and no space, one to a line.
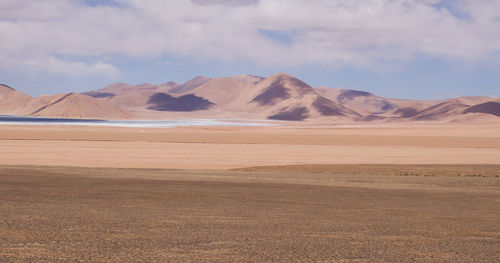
453,110
441,110
75,105
132,98
277,97
70,105
285,97
374,107
490,107
225,92
190,85
12,102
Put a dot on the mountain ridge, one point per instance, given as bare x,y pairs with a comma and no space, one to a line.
280,96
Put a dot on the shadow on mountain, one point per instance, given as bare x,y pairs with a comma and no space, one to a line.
439,110
351,94
296,114
371,117
406,112
490,107
387,106
276,91
327,107
99,95
164,102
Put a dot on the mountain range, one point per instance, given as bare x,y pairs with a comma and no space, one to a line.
277,97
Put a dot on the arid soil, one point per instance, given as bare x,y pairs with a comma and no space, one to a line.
58,214
236,147
390,169
309,192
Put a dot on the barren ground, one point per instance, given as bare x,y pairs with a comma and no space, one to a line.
57,214
235,147
322,194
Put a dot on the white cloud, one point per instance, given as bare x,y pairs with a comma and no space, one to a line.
330,32
76,68
57,66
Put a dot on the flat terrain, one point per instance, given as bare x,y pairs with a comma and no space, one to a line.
305,193
235,147
58,214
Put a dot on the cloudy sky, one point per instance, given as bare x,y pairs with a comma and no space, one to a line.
422,49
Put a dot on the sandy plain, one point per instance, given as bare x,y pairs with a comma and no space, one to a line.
233,147
317,193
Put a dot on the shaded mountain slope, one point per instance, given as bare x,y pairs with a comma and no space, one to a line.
277,97
328,107
441,110
189,85
288,98
132,98
166,102
490,107
225,91
99,95
375,108
281,87
75,105
296,114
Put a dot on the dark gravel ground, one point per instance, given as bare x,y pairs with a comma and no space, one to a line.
56,217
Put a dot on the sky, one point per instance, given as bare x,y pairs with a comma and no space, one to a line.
415,49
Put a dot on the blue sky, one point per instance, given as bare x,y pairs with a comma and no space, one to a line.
420,49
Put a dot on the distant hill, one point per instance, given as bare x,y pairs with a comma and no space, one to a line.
490,107
12,102
288,98
278,97
190,85
71,105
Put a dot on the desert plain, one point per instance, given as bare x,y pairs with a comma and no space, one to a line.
305,192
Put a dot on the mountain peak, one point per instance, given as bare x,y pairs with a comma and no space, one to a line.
190,84
281,75
280,96
199,77
279,87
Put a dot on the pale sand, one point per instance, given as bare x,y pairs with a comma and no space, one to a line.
233,147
